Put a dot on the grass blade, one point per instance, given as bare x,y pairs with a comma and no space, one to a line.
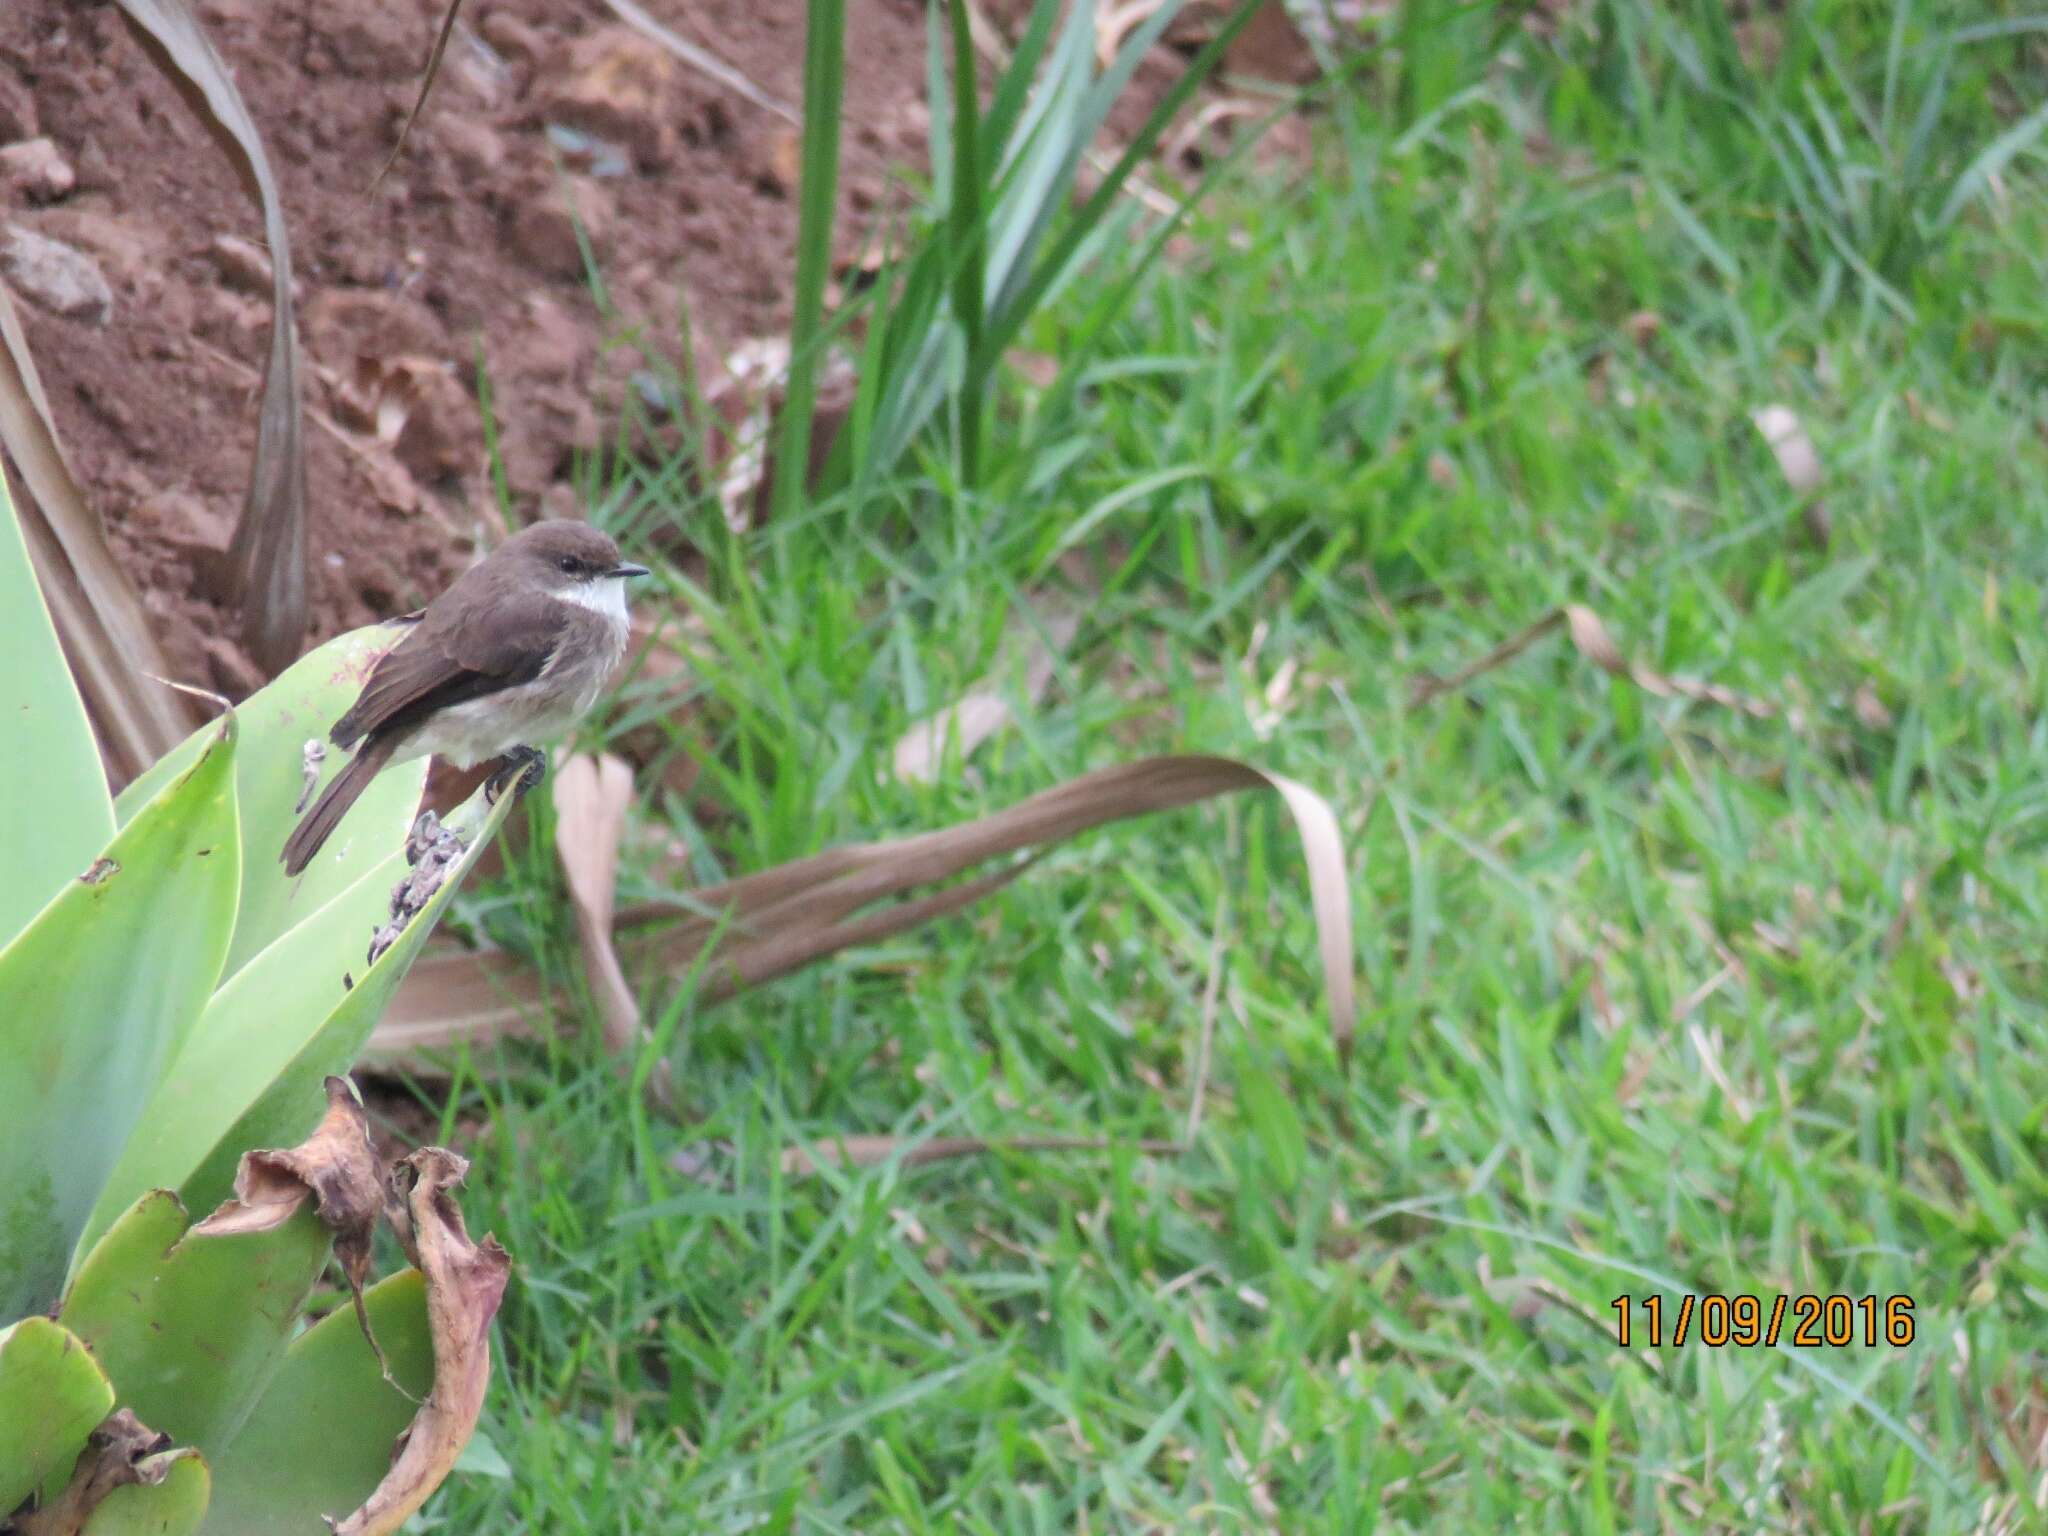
824,81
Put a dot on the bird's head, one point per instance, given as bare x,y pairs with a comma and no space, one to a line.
571,560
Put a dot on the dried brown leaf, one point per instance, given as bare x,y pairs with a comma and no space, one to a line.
792,914
335,1167
778,920
268,553
465,1282
427,78
120,1453
1797,460
1590,637
98,617
591,796
1426,687
700,60
1790,446
453,996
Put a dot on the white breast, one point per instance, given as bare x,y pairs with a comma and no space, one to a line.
539,711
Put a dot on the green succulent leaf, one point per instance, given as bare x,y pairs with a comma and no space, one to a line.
47,756
97,995
170,1500
309,1047
319,1440
189,1329
277,721
52,1393
251,1030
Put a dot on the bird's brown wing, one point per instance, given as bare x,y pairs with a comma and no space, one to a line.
441,664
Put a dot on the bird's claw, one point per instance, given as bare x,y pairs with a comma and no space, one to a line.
525,770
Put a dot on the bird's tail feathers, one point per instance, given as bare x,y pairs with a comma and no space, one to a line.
333,804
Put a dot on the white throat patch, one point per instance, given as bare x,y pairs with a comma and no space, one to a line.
605,595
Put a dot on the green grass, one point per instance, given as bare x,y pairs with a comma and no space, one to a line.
1659,998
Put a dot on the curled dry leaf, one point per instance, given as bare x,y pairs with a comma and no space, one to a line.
1590,636
335,1167
121,1452
1797,461
591,796
268,552
98,617
465,1282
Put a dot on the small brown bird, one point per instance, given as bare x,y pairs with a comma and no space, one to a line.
516,651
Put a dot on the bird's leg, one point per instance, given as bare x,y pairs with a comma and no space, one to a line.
526,768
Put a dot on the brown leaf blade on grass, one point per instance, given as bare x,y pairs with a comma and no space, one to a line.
465,1283
778,920
98,617
268,553
1592,641
454,996
797,911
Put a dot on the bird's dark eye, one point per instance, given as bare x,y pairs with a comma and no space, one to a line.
568,563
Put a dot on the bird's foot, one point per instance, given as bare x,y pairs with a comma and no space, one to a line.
525,769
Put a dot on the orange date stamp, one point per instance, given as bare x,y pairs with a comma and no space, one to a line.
1804,1322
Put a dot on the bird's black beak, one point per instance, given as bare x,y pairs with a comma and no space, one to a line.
624,569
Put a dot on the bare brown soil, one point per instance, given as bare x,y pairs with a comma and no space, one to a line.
462,272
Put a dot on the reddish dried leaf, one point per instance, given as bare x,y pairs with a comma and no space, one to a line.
465,1282
336,1167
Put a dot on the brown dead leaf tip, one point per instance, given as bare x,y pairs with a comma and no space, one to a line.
336,1167
481,1268
465,1282
116,1455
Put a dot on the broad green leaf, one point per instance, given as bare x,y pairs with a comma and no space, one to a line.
97,995
51,1396
320,1438
189,1329
170,1501
310,1048
47,756
277,721
251,1029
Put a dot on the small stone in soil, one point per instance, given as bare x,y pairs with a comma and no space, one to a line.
33,169
54,276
